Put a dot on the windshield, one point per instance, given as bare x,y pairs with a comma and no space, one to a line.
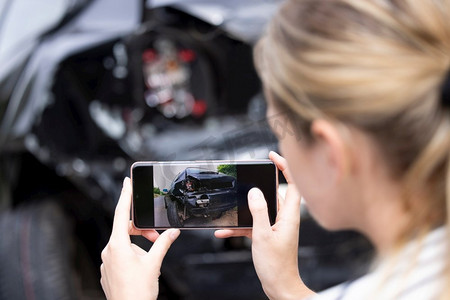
199,171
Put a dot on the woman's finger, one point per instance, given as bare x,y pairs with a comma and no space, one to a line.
290,212
149,234
289,205
161,246
226,233
122,213
281,164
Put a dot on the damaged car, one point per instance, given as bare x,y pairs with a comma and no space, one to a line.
197,192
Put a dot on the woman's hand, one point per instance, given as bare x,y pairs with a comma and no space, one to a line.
129,272
275,248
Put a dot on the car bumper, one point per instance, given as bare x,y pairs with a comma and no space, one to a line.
211,203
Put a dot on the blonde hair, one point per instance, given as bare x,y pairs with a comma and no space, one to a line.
376,65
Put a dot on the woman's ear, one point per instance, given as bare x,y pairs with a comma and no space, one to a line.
332,140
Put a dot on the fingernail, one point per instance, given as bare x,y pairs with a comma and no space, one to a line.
174,234
255,193
125,180
275,153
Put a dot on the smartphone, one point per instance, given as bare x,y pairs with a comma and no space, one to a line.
200,194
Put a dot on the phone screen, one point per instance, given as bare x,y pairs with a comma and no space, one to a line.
211,194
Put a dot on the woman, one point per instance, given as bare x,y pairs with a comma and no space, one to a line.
365,86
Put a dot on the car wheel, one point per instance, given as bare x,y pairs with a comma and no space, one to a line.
216,216
173,216
35,253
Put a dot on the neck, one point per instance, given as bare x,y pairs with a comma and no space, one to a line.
384,227
385,218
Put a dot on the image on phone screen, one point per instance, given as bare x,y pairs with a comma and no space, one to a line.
199,195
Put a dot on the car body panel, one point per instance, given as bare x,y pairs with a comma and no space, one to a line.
210,192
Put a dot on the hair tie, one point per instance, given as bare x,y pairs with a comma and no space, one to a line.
445,91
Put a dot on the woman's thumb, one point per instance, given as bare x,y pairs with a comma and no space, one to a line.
162,245
258,209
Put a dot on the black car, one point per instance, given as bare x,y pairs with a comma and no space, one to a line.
202,193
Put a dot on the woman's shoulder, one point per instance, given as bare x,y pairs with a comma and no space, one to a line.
416,272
